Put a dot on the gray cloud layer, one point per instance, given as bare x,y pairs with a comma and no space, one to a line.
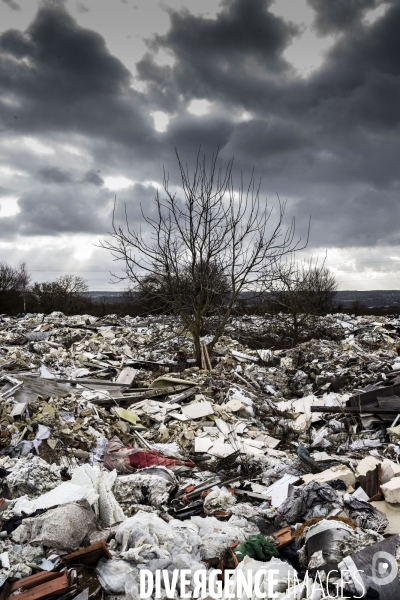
12,5
328,141
338,15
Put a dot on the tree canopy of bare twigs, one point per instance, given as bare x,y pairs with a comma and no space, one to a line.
62,294
206,282
200,249
301,293
14,283
10,278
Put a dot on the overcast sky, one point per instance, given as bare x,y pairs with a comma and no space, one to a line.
95,95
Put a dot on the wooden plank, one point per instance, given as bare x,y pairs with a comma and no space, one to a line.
63,380
352,410
89,382
47,590
34,387
127,376
183,396
207,357
145,395
89,555
392,402
28,583
40,586
371,396
203,360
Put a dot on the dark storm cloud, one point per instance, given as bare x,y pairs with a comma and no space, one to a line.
73,208
4,192
338,128
68,81
328,141
93,178
341,219
12,4
132,200
215,56
337,15
162,91
188,133
260,139
235,59
359,84
243,28
59,209
15,43
54,175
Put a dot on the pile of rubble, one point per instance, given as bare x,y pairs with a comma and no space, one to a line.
119,456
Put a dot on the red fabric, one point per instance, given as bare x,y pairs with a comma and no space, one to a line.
126,459
151,458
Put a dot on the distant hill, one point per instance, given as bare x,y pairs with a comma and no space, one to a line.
371,298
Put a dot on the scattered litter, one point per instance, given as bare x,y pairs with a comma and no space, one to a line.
118,454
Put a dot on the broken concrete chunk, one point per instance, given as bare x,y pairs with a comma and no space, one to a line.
338,472
234,405
394,433
392,512
390,469
391,490
367,464
202,444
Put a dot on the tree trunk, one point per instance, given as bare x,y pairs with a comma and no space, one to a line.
295,330
196,332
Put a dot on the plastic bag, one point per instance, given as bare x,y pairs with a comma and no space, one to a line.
219,499
112,575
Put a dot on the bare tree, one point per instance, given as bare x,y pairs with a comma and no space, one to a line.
24,280
9,278
64,294
301,293
207,282
9,288
70,285
212,238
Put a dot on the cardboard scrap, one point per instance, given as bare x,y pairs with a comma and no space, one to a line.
197,410
127,415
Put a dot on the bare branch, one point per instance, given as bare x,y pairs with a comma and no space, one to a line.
197,254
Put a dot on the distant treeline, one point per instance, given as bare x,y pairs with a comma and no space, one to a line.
69,294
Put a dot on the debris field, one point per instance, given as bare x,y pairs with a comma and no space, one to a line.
118,454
